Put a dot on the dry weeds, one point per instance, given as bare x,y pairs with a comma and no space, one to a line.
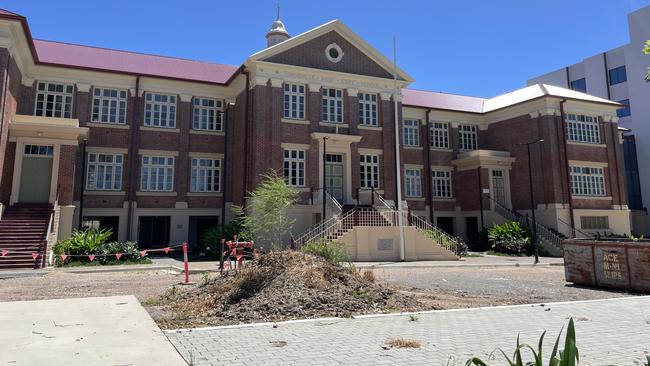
403,343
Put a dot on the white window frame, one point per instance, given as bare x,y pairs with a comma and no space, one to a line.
411,132
156,167
63,98
582,128
587,181
205,175
104,172
467,137
412,182
367,109
294,167
369,170
109,105
206,117
439,133
294,101
332,105
155,109
441,184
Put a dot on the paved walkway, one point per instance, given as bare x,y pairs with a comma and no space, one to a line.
615,331
113,330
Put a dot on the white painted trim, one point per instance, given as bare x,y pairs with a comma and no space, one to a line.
159,129
589,164
157,193
108,125
365,151
206,132
289,145
295,121
585,144
204,155
147,152
104,193
110,150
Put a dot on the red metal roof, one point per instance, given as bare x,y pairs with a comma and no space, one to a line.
95,58
435,100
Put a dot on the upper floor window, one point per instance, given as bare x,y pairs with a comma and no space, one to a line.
53,100
207,114
441,181
294,167
587,181
367,109
109,106
617,75
205,175
104,172
294,101
157,173
412,183
160,110
411,132
332,105
579,85
467,137
624,112
439,133
582,128
369,170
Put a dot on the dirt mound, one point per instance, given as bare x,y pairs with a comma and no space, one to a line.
281,286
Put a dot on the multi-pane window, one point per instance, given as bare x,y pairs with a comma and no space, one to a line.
411,132
617,75
369,169
367,109
53,100
587,181
205,175
467,137
624,112
294,101
104,172
207,114
39,150
159,110
157,173
582,128
579,85
412,183
294,167
109,105
499,186
441,183
439,135
332,105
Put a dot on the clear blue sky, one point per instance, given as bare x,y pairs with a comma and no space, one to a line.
474,47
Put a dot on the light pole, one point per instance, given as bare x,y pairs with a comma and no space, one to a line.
224,184
532,198
324,177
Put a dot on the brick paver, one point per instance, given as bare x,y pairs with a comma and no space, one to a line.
613,331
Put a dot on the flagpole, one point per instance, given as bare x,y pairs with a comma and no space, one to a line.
398,165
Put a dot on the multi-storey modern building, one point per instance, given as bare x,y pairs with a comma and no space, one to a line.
151,146
619,75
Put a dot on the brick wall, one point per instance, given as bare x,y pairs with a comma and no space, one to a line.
67,165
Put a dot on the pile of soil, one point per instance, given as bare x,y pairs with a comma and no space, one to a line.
281,286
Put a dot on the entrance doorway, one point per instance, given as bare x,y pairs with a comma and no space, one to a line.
334,175
36,174
153,232
446,224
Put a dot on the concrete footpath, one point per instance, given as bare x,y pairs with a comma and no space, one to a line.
113,330
613,331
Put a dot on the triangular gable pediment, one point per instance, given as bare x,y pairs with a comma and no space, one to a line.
309,50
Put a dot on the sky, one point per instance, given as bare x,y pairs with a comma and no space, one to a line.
474,47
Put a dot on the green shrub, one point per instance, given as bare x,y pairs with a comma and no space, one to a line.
210,240
82,242
93,242
333,252
510,238
129,250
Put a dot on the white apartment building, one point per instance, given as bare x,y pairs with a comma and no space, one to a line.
619,75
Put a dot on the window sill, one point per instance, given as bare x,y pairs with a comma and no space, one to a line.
597,198
444,199
334,124
300,189
415,199
585,144
439,149
204,194
407,147
295,121
159,129
156,193
104,193
207,132
371,128
108,125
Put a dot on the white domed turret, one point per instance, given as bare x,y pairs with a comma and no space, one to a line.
278,32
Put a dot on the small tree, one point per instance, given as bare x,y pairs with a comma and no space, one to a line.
265,218
646,50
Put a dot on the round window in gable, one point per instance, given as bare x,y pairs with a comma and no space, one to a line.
333,52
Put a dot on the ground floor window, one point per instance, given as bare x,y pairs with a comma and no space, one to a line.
103,222
413,184
369,170
441,181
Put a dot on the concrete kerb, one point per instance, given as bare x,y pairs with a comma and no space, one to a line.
401,265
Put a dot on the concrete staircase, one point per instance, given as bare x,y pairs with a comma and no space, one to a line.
23,230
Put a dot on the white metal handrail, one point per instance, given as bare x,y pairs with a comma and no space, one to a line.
325,229
332,206
435,234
